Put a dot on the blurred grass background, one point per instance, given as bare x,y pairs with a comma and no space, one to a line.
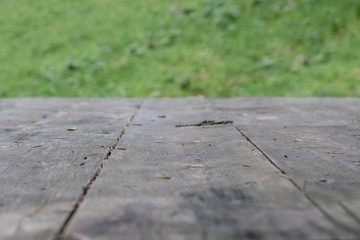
155,48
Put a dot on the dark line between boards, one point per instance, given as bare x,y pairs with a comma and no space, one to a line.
307,196
59,234
266,156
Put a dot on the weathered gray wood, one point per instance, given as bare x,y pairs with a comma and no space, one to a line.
222,186
195,182
315,141
44,166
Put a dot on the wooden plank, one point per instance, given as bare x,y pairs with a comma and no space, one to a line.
288,111
196,182
44,166
315,141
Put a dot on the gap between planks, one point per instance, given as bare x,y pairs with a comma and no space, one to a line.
303,190
59,234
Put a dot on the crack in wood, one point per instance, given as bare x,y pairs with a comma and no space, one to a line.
205,123
59,234
303,191
266,156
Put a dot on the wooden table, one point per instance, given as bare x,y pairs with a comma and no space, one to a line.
192,168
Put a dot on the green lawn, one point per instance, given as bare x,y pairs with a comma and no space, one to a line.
156,48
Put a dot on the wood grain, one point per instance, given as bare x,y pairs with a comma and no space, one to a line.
44,166
316,142
240,168
235,194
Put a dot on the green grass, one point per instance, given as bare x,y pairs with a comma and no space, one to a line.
155,48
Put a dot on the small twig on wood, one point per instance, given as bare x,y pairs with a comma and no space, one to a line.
195,166
61,138
163,177
205,123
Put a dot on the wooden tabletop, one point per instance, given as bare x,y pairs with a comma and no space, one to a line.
191,168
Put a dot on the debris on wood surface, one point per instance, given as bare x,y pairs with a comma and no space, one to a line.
205,123
163,177
195,166
173,213
61,138
297,140
251,183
